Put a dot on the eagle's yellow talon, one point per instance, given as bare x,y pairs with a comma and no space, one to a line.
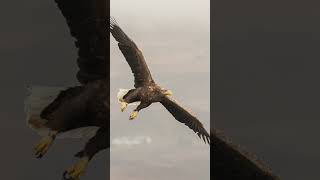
133,115
43,146
75,172
123,106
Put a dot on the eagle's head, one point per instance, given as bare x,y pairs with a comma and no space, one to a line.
166,92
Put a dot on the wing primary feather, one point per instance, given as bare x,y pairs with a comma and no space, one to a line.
132,54
185,117
85,25
198,135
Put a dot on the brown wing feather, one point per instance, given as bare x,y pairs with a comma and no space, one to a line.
85,26
183,116
132,54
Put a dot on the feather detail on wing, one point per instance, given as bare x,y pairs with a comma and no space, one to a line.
185,117
132,54
85,26
37,99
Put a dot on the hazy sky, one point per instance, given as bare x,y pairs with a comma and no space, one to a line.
174,37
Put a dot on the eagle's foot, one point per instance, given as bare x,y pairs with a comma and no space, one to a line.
133,115
43,146
76,171
124,105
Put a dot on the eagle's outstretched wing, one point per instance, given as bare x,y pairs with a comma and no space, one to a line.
183,116
233,162
85,26
133,55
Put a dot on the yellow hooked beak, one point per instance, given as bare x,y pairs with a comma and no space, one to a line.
168,93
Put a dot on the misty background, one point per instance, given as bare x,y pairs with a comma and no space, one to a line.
175,39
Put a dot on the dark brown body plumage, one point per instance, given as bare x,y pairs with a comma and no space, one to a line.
87,104
146,95
79,106
82,106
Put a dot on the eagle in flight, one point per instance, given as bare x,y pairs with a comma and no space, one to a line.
81,111
146,91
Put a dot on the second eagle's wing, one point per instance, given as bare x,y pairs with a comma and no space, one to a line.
185,117
87,26
133,55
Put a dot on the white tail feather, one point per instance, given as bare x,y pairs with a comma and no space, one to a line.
38,98
121,93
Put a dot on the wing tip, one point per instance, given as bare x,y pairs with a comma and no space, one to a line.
205,138
113,22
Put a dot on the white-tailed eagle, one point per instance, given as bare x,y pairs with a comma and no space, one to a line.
146,91
82,110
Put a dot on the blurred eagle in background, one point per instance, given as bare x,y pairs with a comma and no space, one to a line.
146,91
81,111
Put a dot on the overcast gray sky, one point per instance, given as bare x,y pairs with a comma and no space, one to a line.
174,37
